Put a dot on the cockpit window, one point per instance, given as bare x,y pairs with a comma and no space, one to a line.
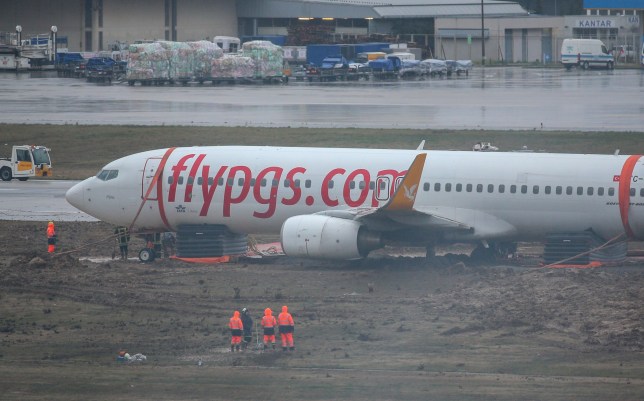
106,175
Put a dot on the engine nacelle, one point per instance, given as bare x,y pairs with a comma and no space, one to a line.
324,237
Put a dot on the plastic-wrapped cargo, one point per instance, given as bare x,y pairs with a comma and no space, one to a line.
148,61
268,58
180,57
204,52
233,67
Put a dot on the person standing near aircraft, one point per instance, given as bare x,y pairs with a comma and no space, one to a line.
51,237
167,241
236,331
247,321
269,323
123,240
286,327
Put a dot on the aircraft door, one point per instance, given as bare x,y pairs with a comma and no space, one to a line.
148,184
382,188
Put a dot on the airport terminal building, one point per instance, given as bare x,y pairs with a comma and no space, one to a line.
457,29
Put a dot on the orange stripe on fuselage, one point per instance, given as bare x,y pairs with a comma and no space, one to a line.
625,179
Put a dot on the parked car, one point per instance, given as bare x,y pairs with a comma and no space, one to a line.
100,69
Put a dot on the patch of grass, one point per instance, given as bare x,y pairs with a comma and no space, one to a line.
79,151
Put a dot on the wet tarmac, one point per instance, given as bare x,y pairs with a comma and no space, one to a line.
489,98
38,200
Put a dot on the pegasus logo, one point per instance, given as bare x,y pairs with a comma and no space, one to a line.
410,193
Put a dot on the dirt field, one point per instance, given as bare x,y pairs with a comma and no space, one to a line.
451,330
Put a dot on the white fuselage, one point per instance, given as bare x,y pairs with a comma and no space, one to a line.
515,196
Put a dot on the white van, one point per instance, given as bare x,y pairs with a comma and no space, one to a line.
585,53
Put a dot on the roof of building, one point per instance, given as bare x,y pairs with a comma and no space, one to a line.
374,8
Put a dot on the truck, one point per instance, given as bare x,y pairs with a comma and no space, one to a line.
26,161
332,68
386,68
585,53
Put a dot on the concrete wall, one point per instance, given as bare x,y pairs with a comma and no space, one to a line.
123,20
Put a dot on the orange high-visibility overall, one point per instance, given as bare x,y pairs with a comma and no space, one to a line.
286,326
51,237
269,323
236,328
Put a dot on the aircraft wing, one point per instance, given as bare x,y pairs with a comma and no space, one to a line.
401,213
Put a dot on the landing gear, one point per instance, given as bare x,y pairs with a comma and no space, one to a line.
147,255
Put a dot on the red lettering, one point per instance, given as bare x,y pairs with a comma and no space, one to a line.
363,192
228,192
297,191
176,171
271,201
209,191
325,187
187,197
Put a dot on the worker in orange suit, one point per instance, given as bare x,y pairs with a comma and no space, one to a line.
236,330
286,327
269,323
51,237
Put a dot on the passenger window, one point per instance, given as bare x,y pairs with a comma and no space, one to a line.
240,182
263,182
632,191
580,190
352,184
642,192
169,178
210,180
287,183
468,187
220,181
501,188
180,180
559,190
275,183
448,187
490,188
307,183
524,189
548,189
297,183
229,182
199,181
361,185
513,189
479,187
600,191
611,191
372,185
535,189
589,191
191,180
568,190
459,187
330,184
425,186
437,187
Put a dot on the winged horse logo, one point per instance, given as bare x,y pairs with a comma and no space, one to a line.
410,193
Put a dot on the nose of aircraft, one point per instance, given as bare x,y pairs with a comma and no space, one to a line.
75,195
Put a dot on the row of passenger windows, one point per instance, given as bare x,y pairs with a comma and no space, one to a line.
437,187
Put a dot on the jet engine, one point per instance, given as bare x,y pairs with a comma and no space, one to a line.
324,237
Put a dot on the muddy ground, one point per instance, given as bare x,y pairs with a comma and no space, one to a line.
383,329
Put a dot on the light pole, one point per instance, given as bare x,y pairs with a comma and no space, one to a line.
482,34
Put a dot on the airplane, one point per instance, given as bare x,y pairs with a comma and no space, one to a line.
341,203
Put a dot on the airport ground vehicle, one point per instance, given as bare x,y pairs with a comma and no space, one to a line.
26,161
100,69
585,53
458,67
386,68
333,68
